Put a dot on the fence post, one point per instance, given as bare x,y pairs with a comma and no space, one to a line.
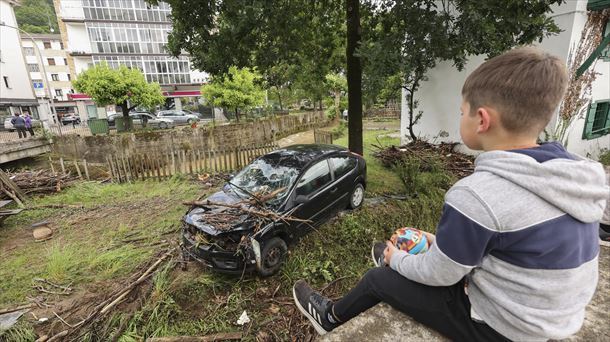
63,167
52,167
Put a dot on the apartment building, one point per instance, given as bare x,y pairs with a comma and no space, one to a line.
128,32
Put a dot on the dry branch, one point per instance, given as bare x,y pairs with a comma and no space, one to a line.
207,338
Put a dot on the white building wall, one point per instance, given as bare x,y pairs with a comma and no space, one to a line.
440,96
12,64
78,39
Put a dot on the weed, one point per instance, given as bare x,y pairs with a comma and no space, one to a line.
604,156
20,332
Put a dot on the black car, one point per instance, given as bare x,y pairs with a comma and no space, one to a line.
309,183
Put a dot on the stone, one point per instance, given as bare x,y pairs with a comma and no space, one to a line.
42,233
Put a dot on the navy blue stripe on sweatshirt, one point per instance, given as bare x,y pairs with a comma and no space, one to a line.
559,243
546,152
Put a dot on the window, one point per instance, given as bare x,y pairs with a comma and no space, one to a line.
51,61
342,165
61,46
59,93
69,78
29,51
597,122
33,67
6,81
605,55
47,45
55,77
65,61
314,179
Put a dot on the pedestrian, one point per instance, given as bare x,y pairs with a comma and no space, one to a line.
28,124
515,255
19,125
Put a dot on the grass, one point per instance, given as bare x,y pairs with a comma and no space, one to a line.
199,302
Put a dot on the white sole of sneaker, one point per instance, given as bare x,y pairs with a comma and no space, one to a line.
373,256
313,321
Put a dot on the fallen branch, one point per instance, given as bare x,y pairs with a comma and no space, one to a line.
207,338
17,308
62,320
57,206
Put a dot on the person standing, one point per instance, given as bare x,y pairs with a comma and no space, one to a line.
28,124
19,125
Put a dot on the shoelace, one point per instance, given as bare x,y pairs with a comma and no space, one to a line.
318,300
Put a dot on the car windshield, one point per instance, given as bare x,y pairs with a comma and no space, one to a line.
263,178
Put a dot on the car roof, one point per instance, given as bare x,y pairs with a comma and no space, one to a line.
299,156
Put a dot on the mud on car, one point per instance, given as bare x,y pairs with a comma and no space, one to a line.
301,185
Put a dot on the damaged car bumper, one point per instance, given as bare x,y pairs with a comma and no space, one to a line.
230,259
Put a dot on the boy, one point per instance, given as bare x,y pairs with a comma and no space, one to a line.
515,254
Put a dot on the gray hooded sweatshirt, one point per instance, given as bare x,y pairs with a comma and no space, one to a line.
523,229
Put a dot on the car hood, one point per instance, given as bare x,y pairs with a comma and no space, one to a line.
196,219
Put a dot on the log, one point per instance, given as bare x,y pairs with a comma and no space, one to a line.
207,338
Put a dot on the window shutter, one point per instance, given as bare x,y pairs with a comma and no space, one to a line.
607,114
588,131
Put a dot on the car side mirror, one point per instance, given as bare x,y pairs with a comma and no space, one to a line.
300,199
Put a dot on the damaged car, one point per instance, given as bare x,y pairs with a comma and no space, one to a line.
270,204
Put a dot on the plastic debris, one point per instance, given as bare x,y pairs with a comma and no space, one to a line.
243,319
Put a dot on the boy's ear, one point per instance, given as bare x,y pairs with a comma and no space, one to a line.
484,117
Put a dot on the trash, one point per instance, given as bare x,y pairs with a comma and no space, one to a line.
203,177
43,319
9,319
243,319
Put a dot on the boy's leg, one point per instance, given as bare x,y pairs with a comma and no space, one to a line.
444,309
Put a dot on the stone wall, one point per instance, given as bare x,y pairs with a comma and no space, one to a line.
96,148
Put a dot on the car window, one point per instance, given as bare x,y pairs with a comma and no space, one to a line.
314,179
135,116
342,165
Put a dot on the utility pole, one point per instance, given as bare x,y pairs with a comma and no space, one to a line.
354,78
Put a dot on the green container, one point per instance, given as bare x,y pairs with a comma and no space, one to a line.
98,126
122,124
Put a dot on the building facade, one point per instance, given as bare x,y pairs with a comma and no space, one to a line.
55,59
127,32
16,92
440,96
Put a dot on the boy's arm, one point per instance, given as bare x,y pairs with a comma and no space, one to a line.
463,237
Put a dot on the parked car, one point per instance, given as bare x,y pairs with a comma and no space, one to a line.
178,116
151,120
70,119
9,126
310,182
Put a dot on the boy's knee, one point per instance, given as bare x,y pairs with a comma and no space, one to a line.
377,276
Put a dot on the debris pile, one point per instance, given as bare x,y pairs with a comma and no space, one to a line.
457,163
42,181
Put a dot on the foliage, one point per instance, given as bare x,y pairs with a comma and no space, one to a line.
578,95
125,87
604,157
238,90
36,16
410,37
337,85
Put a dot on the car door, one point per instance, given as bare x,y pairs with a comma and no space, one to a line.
344,175
316,186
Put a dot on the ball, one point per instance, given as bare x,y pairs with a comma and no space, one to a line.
410,240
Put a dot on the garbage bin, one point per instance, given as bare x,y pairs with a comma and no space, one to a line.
121,124
98,126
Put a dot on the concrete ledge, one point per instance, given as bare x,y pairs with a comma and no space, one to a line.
382,323
24,148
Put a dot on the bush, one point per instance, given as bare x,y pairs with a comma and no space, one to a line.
604,157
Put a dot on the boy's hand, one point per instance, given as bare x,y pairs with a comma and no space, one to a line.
388,252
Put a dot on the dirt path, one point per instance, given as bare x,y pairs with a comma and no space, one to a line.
299,138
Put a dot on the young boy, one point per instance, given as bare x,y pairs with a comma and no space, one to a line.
515,254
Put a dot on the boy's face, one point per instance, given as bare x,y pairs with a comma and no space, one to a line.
469,126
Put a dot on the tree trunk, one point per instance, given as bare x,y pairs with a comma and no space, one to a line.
337,103
125,109
236,114
354,78
279,98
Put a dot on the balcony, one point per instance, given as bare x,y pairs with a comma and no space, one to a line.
72,12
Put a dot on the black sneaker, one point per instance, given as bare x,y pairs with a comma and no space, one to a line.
377,253
314,306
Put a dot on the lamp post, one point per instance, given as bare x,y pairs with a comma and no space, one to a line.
44,72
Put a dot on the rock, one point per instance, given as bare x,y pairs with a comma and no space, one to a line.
42,233
383,323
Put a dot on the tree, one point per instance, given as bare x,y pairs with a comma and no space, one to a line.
411,36
36,16
235,90
124,87
337,84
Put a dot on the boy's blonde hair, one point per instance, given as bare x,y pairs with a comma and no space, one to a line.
524,85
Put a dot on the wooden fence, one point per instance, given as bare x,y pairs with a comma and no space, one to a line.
322,137
164,165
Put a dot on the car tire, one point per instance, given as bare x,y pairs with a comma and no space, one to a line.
163,125
190,121
356,197
273,255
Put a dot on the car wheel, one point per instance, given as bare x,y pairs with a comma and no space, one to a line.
190,121
272,256
163,125
356,198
